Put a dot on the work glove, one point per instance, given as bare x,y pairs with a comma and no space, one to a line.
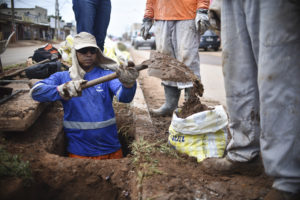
146,26
214,14
71,89
127,74
202,21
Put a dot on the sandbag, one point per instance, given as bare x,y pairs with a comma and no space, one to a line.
43,70
200,135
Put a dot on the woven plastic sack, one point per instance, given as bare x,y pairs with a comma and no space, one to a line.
65,49
117,51
200,135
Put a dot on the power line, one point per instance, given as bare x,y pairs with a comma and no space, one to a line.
33,3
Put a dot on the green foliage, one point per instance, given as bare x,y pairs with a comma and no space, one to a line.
166,149
144,160
143,152
12,166
14,66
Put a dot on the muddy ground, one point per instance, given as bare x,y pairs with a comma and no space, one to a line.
150,169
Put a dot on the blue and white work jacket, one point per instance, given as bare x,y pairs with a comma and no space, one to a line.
89,120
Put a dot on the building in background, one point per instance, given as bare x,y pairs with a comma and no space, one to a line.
31,24
64,30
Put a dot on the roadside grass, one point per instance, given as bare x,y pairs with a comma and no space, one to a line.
143,150
12,166
143,159
14,66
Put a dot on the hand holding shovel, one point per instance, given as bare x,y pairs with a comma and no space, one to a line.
159,65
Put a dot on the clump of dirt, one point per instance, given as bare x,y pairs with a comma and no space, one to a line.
168,68
125,125
193,104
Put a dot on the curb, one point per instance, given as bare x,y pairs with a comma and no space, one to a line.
141,115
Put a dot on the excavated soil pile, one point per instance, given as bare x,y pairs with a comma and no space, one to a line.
193,104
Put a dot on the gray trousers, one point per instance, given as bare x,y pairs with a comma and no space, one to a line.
261,44
181,40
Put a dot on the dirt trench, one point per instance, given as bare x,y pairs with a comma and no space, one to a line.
56,176
150,170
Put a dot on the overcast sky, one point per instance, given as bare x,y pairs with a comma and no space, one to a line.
124,12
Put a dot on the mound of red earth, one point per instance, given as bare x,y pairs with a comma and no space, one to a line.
193,104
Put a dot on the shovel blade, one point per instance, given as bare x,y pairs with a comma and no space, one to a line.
168,68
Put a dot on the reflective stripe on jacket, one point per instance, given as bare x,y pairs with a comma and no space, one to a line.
89,120
174,9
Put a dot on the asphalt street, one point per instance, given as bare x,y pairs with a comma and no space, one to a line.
17,55
20,51
211,57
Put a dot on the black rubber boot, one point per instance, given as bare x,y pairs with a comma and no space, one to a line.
172,95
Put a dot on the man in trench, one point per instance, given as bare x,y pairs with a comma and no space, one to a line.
89,119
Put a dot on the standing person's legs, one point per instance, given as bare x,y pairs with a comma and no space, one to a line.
279,87
240,26
163,37
85,12
186,43
102,21
163,33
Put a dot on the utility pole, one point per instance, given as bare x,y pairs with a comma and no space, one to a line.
56,19
58,25
13,24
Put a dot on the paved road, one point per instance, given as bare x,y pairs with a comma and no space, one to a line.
211,57
17,55
212,76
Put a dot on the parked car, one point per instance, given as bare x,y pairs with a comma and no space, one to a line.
132,38
139,41
209,40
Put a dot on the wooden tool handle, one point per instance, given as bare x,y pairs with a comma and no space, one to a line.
108,77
